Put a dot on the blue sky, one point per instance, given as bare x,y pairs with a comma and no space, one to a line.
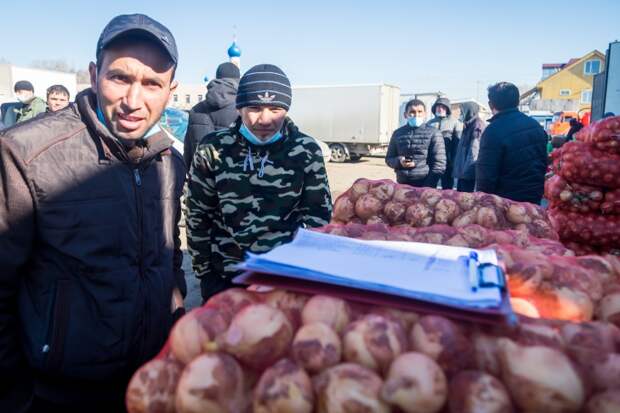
456,47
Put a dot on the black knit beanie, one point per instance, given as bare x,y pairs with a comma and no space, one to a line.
227,70
23,85
264,85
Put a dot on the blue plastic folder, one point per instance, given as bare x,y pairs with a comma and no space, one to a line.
454,281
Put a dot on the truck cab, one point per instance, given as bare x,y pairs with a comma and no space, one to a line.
560,124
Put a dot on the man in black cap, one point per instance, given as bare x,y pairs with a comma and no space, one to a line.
31,105
216,112
91,274
252,185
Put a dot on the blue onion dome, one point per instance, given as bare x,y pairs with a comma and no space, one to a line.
234,51
205,79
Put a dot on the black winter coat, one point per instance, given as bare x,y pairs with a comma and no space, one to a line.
513,157
424,144
89,253
216,112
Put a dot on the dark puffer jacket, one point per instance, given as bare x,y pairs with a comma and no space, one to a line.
89,253
424,145
216,112
513,157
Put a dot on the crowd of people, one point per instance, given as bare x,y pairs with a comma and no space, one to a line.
507,157
90,204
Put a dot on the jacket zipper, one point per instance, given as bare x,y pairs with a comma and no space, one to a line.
59,319
140,212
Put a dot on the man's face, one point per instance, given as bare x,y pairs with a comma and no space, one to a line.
133,87
57,101
24,96
263,121
441,111
416,112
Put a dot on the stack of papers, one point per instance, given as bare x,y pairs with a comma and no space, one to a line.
432,273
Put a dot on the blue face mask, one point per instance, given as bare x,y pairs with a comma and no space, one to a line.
253,139
414,122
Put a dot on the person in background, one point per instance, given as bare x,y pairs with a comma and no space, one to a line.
467,151
216,112
575,126
451,129
608,115
416,151
512,160
253,185
32,105
57,98
91,278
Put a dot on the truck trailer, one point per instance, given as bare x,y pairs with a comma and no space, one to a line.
354,120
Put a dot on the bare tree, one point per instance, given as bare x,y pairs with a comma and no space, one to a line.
59,65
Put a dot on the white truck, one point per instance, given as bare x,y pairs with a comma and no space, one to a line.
354,120
606,88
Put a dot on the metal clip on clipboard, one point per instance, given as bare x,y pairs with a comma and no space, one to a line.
484,275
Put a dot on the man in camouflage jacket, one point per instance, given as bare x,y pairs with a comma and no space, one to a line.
253,185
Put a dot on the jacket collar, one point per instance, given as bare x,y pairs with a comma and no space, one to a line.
144,150
503,113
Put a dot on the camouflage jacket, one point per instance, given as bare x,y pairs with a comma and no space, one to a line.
243,197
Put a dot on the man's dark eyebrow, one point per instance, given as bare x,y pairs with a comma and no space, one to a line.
118,72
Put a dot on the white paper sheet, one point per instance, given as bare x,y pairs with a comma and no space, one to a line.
433,270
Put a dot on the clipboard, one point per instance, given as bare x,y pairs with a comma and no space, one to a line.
456,282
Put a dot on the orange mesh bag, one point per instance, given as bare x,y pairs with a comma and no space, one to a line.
558,287
580,162
573,196
604,135
595,230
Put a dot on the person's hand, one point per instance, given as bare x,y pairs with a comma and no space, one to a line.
406,164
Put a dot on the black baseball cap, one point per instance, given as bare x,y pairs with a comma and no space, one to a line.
141,25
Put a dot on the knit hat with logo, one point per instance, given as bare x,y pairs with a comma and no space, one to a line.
264,85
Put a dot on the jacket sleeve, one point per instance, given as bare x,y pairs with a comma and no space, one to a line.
488,163
437,152
392,159
201,203
199,125
316,204
17,229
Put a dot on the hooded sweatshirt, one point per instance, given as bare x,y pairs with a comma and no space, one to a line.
216,112
469,145
450,128
248,198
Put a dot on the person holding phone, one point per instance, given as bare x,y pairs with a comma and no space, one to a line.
417,151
